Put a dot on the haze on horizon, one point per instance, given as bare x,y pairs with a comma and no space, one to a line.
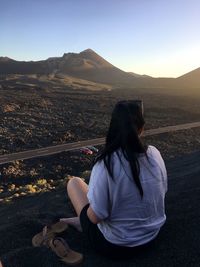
158,38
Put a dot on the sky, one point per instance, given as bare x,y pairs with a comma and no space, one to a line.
160,38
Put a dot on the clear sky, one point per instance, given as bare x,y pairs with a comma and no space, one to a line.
153,37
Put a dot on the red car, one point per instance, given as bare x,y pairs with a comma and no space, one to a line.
86,151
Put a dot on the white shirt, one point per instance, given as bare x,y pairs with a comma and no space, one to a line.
128,219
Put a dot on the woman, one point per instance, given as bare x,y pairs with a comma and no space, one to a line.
122,209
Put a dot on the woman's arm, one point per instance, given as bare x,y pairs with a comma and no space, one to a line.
98,194
92,216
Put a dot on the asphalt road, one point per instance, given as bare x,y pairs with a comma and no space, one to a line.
77,145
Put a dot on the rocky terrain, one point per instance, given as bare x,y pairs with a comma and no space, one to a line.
39,117
177,244
32,192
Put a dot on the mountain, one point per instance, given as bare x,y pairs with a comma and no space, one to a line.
88,65
5,59
190,79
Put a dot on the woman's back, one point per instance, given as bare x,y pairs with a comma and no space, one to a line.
128,218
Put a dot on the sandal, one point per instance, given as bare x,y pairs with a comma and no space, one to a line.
48,233
62,250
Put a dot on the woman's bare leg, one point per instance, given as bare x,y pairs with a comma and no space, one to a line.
1,264
77,192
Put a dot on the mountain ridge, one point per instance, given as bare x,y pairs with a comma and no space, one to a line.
88,65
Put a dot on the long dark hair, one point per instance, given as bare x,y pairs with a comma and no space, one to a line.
123,133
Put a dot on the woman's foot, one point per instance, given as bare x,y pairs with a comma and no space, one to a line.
74,221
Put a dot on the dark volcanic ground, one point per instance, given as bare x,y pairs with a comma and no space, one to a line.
32,192
178,243
39,117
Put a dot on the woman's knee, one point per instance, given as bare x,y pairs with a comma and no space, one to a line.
73,182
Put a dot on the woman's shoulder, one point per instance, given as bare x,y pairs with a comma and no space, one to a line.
154,154
152,150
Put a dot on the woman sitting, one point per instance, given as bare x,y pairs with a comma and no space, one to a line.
123,208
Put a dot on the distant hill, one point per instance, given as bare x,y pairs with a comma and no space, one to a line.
190,79
6,59
88,65
139,75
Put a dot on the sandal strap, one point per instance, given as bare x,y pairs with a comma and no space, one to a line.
46,237
63,242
